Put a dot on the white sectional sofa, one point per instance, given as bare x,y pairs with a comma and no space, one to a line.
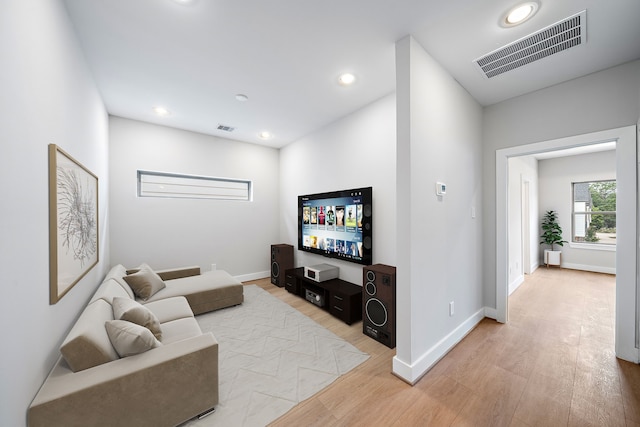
151,366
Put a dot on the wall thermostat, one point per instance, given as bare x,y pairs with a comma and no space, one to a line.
441,188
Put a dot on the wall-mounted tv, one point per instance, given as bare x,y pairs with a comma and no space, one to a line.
337,224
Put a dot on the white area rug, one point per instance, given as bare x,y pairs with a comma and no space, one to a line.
271,358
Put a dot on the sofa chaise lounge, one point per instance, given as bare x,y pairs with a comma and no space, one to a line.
138,361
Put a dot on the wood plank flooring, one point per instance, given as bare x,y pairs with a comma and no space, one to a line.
553,364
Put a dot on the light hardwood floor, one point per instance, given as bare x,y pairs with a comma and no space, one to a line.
553,364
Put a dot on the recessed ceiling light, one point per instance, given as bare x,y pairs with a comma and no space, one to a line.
346,79
265,135
241,97
161,111
519,14
186,2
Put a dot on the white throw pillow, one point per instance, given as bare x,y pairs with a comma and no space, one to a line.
132,311
130,339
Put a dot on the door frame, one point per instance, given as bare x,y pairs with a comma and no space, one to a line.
526,225
627,242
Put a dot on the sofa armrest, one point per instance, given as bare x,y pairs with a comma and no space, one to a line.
164,386
177,273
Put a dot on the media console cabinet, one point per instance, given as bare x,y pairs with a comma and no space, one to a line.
340,298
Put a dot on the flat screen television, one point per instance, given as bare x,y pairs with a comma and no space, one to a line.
337,224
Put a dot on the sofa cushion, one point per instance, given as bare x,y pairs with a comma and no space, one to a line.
204,291
132,311
117,273
130,339
145,283
180,329
108,290
87,344
169,309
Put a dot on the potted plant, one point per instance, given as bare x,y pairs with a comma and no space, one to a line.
551,235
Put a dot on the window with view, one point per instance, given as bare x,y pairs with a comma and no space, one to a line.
594,212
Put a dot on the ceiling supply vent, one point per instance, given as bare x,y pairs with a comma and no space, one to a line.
555,38
226,128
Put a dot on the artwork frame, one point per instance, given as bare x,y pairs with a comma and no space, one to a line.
73,222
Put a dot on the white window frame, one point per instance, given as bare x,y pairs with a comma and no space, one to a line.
588,245
182,186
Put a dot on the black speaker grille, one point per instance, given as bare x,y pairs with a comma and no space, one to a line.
367,242
275,269
370,287
376,312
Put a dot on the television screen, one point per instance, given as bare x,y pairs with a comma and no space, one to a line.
337,224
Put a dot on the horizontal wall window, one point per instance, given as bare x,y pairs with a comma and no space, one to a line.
594,212
171,185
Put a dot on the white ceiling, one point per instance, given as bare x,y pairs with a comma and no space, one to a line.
286,55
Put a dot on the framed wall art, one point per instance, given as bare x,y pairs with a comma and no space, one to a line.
73,222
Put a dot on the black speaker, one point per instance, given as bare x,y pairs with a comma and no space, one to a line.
379,303
281,261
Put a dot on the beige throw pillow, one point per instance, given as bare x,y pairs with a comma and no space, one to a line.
145,283
134,312
138,268
130,339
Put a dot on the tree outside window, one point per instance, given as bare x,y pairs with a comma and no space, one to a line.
594,212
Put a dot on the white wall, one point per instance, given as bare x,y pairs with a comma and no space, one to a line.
605,100
556,177
356,151
48,96
439,242
165,233
522,170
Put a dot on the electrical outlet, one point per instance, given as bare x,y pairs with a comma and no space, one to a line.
451,308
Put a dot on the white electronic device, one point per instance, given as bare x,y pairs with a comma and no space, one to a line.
321,272
441,188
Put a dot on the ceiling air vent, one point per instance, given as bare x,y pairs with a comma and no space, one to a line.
555,38
226,128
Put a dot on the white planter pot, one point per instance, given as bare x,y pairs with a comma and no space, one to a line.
552,257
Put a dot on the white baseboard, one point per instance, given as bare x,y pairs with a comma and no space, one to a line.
411,373
516,284
253,276
491,313
593,268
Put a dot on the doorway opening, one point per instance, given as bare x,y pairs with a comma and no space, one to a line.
626,254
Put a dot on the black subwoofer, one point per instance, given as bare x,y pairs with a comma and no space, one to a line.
379,303
281,261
